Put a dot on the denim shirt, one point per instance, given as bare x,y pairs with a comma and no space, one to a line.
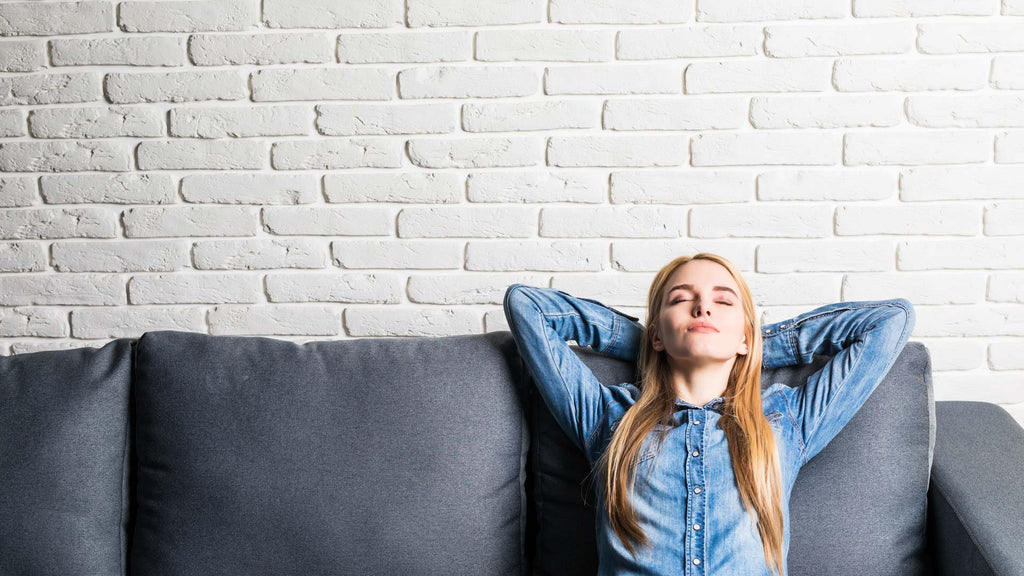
687,500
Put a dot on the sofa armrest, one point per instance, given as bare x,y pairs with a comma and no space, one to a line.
976,495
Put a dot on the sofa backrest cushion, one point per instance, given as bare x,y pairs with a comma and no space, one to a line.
857,506
862,502
371,456
64,500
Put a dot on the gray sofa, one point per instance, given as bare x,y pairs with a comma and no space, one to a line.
182,454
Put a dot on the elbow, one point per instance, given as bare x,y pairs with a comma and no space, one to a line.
509,292
515,298
910,317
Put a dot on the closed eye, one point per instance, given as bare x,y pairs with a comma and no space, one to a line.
682,300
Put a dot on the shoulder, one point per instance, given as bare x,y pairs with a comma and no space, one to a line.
775,388
625,393
773,398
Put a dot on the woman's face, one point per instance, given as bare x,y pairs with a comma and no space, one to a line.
701,291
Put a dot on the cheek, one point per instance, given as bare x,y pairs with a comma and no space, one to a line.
732,327
735,325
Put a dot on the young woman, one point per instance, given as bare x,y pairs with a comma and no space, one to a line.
698,463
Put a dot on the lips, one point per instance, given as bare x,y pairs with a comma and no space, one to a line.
701,327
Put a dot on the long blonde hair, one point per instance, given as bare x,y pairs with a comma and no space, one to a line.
755,458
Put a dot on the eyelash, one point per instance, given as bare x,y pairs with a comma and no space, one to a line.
683,300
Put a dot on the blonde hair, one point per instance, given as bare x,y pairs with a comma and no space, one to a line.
755,458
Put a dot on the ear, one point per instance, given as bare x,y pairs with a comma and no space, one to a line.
656,341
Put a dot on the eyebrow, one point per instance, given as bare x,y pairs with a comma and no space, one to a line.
690,287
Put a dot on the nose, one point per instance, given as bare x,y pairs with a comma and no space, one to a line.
698,307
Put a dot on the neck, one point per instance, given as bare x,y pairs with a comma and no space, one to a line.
700,382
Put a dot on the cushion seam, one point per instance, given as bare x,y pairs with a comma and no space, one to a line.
967,530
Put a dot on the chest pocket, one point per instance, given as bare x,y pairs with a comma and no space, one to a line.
650,444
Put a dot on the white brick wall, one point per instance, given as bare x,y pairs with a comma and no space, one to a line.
313,169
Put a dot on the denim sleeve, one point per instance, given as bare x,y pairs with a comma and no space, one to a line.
863,338
542,321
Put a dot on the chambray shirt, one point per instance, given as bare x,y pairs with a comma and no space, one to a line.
688,502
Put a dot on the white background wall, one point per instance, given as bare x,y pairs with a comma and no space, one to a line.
320,169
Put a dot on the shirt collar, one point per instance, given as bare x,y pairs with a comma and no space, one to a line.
713,404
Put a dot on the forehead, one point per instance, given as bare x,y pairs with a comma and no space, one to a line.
702,275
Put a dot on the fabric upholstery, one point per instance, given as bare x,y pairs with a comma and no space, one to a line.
370,456
64,470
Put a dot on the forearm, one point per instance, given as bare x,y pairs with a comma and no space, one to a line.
587,322
627,331
626,344
825,330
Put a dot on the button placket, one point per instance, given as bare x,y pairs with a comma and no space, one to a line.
696,505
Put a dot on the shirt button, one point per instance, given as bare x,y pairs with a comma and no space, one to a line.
696,560
696,490
696,526
695,453
696,421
